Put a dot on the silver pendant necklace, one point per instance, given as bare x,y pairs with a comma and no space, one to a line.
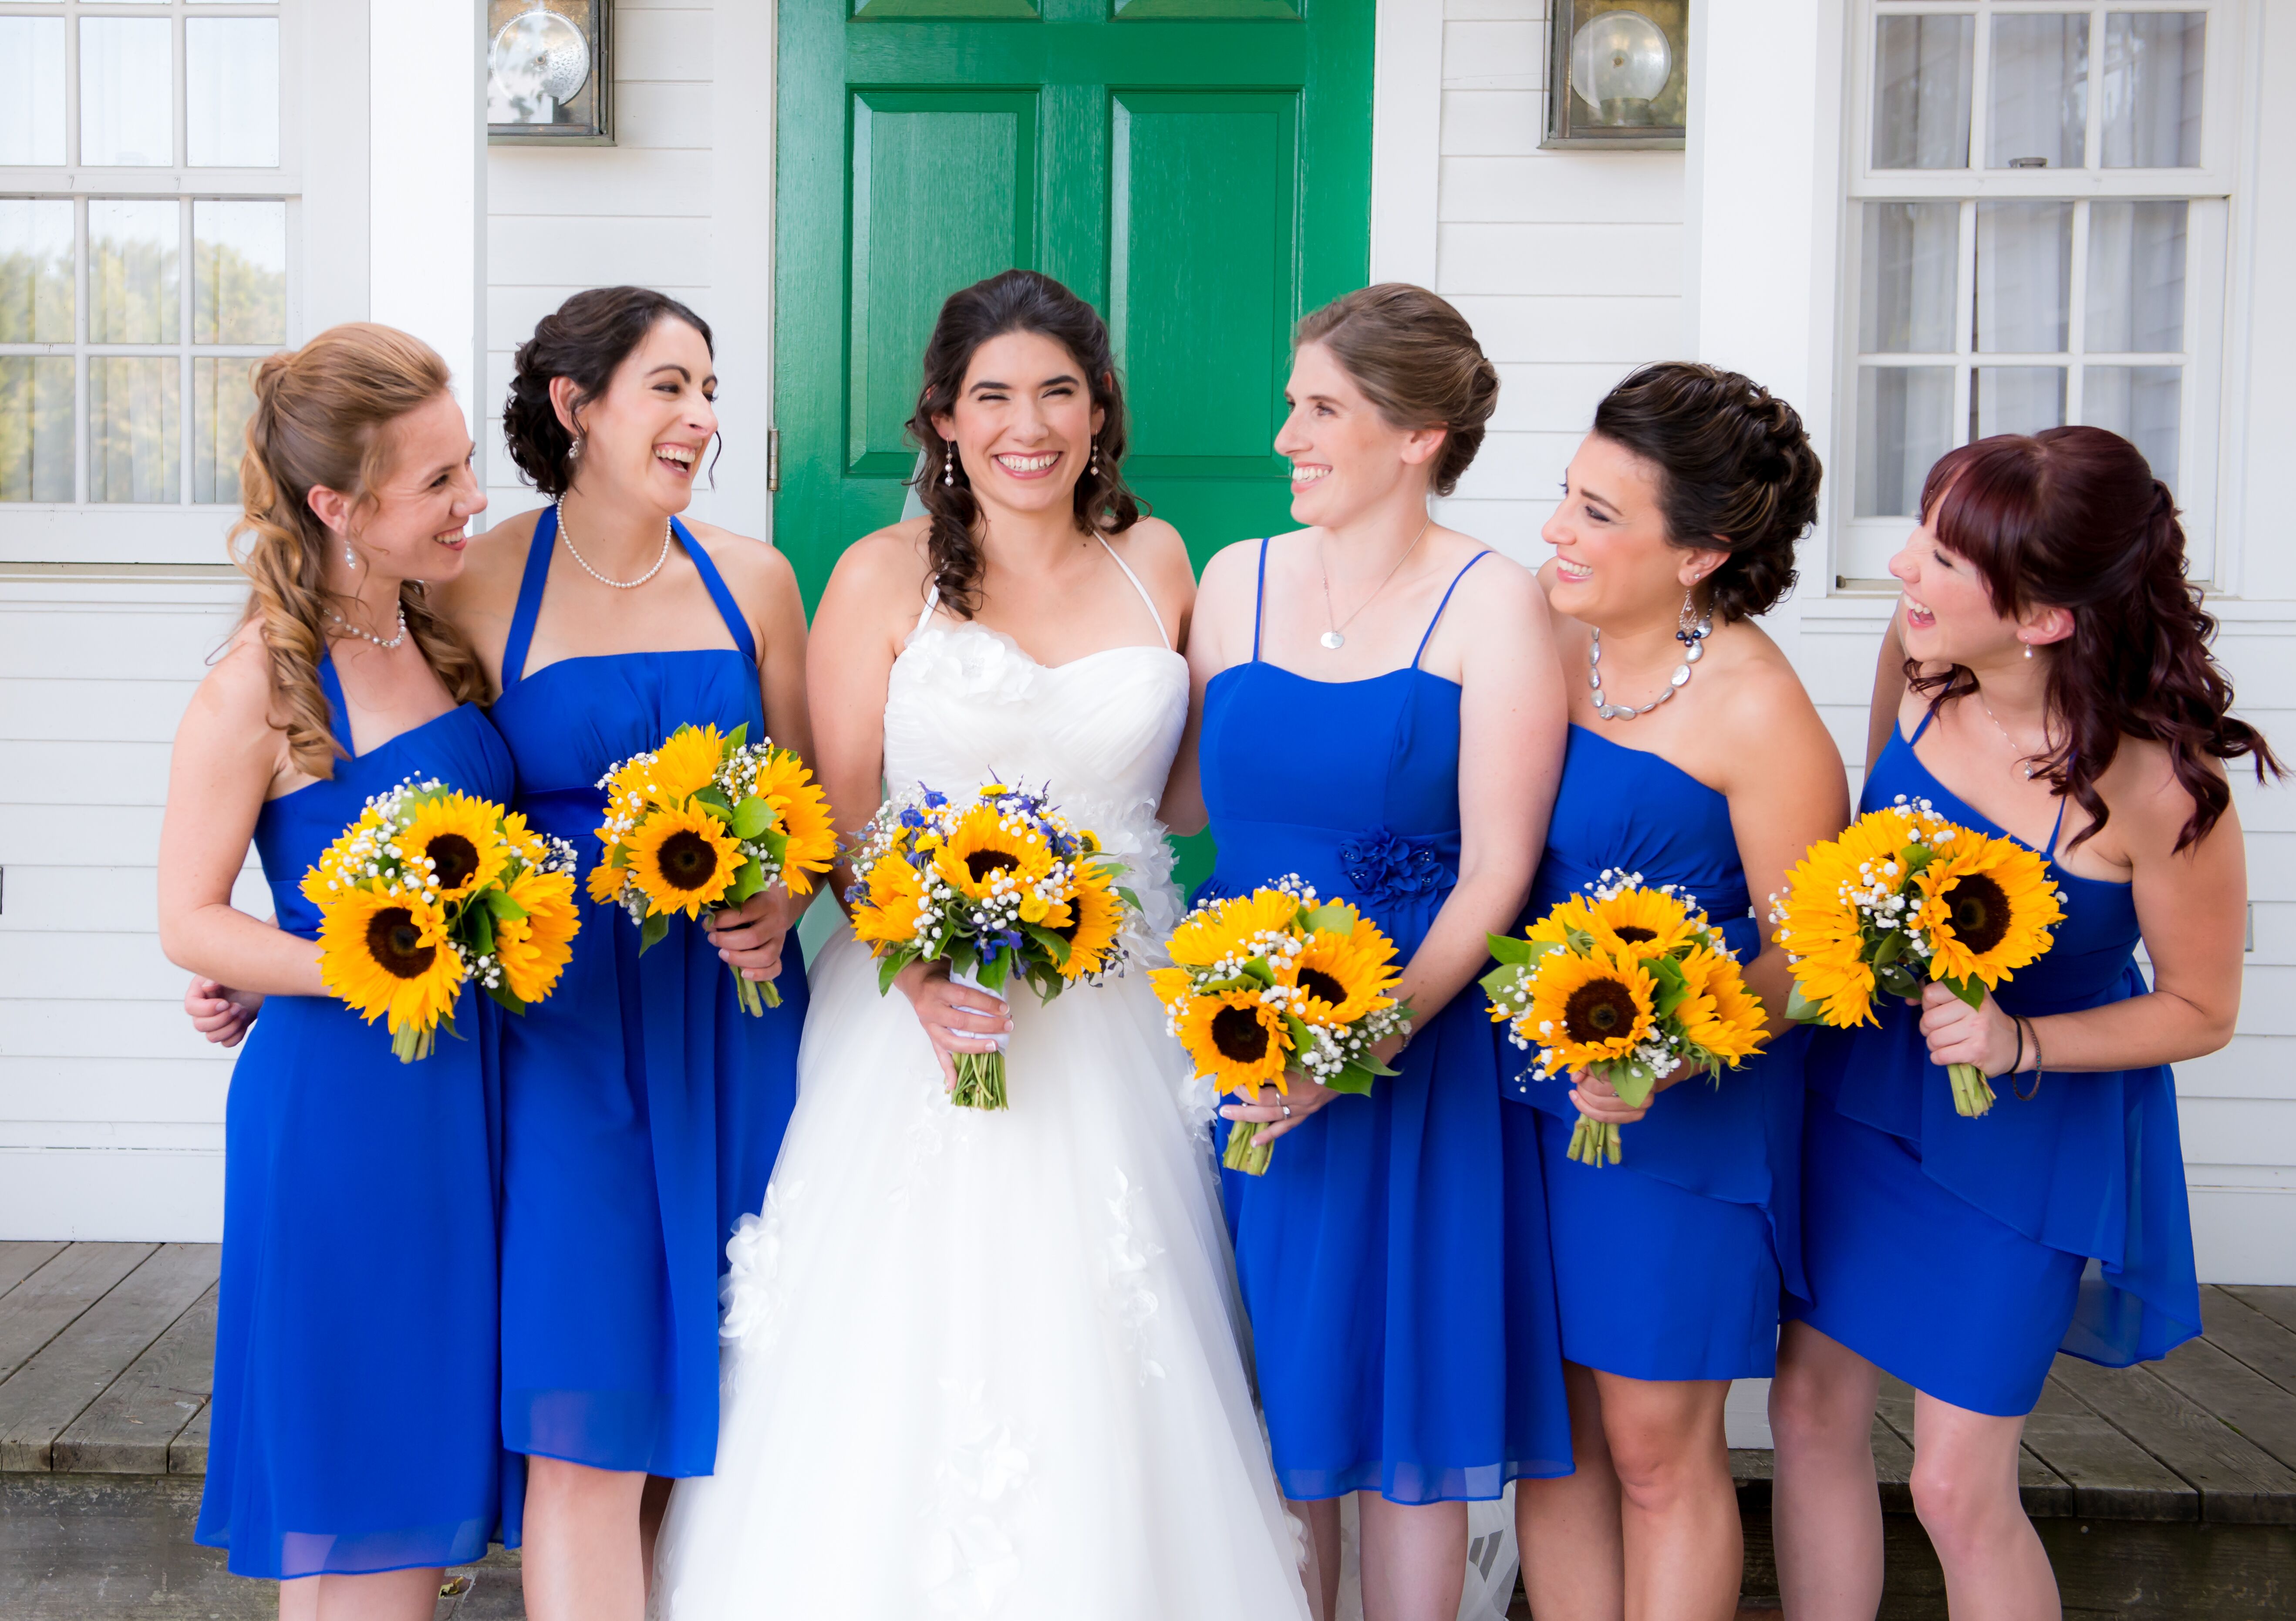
617,584
1692,632
2024,759
368,636
1334,637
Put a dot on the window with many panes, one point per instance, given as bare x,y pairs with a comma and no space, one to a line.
2038,224
147,226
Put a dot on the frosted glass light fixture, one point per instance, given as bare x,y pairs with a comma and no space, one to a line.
550,72
1617,74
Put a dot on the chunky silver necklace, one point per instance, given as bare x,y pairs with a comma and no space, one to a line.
368,636
617,584
1333,638
1691,633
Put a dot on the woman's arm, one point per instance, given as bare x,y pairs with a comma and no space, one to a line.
1790,792
1889,695
1207,647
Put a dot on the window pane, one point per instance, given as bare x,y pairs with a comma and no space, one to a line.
36,271
231,88
2136,277
222,400
1911,256
133,254
240,249
1920,103
1905,424
2141,404
31,90
133,453
36,433
2040,92
126,90
2024,276
2016,400
2152,72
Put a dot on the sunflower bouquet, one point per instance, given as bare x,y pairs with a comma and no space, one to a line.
1001,886
1264,983
1628,983
704,822
1903,898
430,888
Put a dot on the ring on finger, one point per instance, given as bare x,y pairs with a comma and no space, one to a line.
1287,1111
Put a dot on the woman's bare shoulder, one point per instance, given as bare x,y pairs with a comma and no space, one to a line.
755,568
236,694
493,564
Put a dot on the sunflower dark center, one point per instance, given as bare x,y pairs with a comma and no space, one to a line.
980,863
1635,933
1980,911
1601,1010
396,944
453,859
1068,931
1240,1037
1323,987
687,860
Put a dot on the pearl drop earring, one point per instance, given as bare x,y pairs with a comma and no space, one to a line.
574,450
948,466
350,558
2029,650
1093,466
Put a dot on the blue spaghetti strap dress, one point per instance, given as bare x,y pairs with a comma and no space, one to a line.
1394,1258
643,1108
354,1428
1668,1264
1962,1254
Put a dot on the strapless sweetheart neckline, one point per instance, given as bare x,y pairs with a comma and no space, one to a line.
1009,644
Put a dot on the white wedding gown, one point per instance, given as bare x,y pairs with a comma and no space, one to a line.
987,1365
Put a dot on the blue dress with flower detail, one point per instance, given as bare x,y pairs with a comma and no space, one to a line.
1394,1259
1669,1263
354,1427
1962,1254
643,1108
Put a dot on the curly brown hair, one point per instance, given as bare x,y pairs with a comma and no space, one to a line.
584,339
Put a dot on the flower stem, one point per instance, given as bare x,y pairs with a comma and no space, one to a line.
412,1043
1595,1142
755,995
1973,1095
1245,1151
980,1081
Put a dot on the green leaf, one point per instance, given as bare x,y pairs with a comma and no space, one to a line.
1355,1078
1499,986
737,737
747,881
713,800
1296,1028
1633,1081
1971,990
480,929
889,967
505,910
1051,942
1801,1009
992,976
1892,947
504,995
1510,948
1914,858
1333,917
1258,971
751,817
1128,897
653,932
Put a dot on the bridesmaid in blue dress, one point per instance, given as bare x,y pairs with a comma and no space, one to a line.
1695,759
356,1451
643,1108
1381,715
2047,679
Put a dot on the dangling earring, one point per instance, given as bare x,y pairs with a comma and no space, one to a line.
574,450
1093,466
949,464
350,558
2029,650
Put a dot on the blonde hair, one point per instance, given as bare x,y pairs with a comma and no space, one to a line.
319,417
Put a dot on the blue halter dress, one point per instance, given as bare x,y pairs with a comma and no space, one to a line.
643,1108
1962,1254
1668,1264
354,1366
1394,1259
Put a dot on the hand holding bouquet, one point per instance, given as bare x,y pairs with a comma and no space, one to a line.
1267,982
999,886
704,822
430,888
1905,897
1627,983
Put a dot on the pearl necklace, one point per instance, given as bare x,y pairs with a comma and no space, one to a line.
617,584
1693,638
368,636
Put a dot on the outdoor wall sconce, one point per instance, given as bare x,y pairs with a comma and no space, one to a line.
550,72
1617,76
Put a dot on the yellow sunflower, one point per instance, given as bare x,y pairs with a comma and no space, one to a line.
389,955
1227,929
891,904
532,847
1171,984
683,859
535,949
605,882
1573,914
1094,914
1720,1014
1641,922
460,838
1341,977
1588,1009
980,847
1987,909
1237,1039
687,760
1823,930
801,811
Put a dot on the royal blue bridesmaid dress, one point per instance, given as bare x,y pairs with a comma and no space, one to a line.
1962,1254
1668,1264
354,1427
643,1108
1394,1259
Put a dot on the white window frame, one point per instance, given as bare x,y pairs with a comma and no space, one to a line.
1863,546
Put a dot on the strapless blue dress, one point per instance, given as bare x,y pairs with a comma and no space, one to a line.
643,1108
1394,1258
1962,1254
1668,1264
354,1428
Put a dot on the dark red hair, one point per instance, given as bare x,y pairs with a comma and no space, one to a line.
2072,518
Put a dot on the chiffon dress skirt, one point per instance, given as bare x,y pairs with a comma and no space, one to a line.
1394,1259
643,1108
354,1425
1669,1263
1962,1254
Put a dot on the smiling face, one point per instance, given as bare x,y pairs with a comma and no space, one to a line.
414,526
1023,422
644,437
1949,616
1613,562
1346,457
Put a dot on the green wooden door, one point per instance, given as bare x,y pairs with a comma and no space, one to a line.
1199,169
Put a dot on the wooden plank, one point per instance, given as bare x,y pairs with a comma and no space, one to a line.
2250,1405
187,1453
2110,1570
128,1428
42,1398
2277,1303
2238,1481
20,1258
2040,1488
2257,1339
45,1303
1893,1467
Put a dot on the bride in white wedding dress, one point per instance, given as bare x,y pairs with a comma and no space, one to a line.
987,1363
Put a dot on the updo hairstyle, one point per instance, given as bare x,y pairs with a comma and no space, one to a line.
319,422
1416,360
584,339
1736,473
